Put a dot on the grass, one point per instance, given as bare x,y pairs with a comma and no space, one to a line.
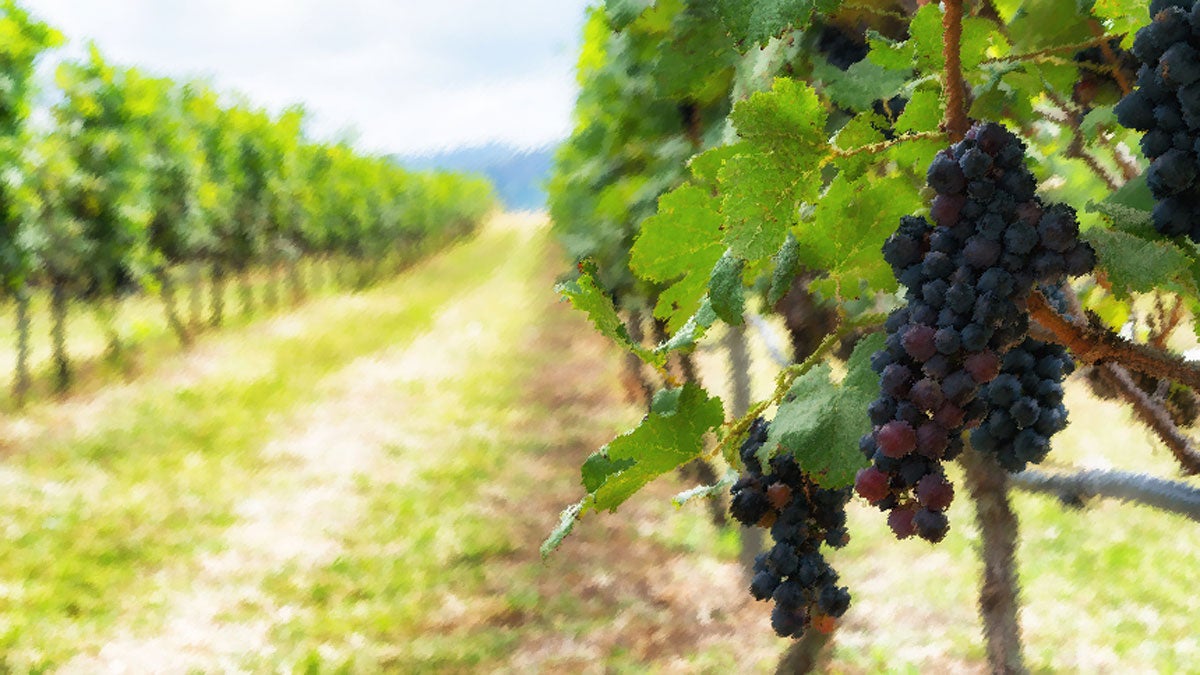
407,581
92,517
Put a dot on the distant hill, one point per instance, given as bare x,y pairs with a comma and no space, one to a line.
517,174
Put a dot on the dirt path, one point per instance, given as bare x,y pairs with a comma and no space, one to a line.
311,499
625,590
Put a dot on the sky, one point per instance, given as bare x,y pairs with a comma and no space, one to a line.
400,76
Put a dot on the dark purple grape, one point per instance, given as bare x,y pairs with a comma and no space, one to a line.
934,492
872,484
896,439
1179,64
931,526
945,175
918,341
1135,111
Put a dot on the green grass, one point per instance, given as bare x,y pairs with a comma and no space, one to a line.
427,535
90,518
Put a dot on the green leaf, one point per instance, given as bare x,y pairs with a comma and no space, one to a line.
707,165
1125,218
888,53
762,196
845,235
1135,194
692,331
790,117
860,85
776,169
663,442
1139,265
787,265
680,244
585,294
862,130
597,468
725,289
754,22
923,112
820,422
671,435
925,33
566,523
1124,16
1046,24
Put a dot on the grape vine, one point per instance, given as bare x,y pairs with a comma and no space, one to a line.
957,168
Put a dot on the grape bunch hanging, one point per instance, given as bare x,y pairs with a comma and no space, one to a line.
801,516
1166,106
966,280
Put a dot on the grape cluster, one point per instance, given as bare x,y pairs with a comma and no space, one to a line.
1025,404
801,515
1098,83
967,280
1166,106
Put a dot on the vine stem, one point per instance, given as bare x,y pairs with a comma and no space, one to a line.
1093,344
1155,417
1098,41
1135,488
999,600
1110,57
875,148
956,122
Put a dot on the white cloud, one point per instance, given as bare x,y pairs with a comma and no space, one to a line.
409,75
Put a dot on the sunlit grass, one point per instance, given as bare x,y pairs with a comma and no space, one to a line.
92,519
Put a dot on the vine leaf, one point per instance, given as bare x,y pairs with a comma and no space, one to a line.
725,290
1125,16
1137,265
923,112
860,85
754,22
671,435
1135,194
847,231
692,331
585,294
820,422
777,166
681,244
1125,218
787,266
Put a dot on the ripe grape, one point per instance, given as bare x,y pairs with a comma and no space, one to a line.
966,280
802,516
871,484
1166,106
